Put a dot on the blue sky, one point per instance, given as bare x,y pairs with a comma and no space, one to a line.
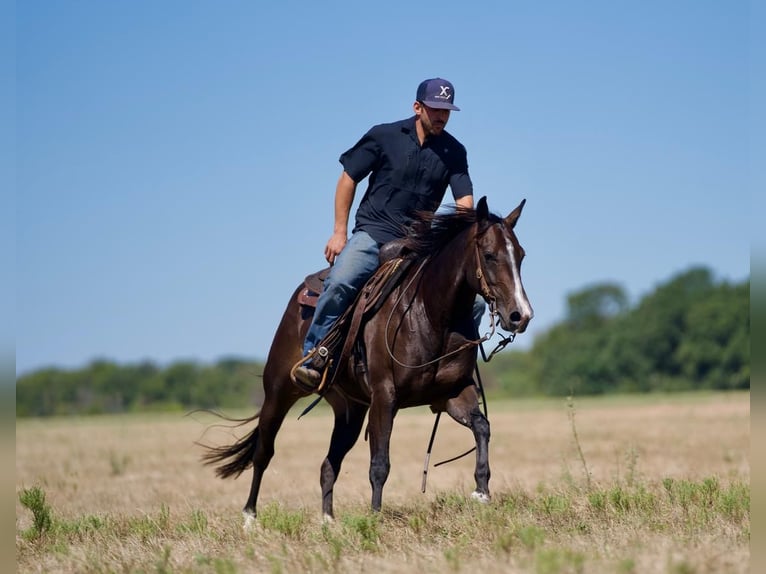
176,160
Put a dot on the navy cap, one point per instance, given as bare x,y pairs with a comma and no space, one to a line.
437,93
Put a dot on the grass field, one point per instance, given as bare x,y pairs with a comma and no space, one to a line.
623,484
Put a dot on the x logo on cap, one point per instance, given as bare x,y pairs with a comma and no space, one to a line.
445,92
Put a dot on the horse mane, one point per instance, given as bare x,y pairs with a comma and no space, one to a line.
430,231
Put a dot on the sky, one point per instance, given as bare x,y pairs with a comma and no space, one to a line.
176,161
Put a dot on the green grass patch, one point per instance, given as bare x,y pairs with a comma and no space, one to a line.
289,523
364,527
34,500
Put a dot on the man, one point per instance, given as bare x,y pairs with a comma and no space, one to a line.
410,163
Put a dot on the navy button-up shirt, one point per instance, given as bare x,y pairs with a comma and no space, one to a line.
404,177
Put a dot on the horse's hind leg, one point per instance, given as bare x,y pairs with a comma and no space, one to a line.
349,417
465,409
276,404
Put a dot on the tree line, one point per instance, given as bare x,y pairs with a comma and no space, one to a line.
689,333
692,332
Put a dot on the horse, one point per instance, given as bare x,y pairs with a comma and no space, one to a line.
419,348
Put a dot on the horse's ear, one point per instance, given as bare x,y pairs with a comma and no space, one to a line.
482,211
482,214
513,217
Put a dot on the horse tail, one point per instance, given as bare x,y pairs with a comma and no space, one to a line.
239,455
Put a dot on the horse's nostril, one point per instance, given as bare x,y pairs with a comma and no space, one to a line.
515,317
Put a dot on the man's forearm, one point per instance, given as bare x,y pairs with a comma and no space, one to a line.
344,197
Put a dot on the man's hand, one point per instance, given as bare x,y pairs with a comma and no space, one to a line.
344,197
334,246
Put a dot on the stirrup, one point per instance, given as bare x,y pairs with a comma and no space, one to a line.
322,366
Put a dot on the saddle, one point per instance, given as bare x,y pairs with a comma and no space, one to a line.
313,284
339,341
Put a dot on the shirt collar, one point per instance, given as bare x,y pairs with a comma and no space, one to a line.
408,127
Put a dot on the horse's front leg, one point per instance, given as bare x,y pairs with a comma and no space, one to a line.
465,409
480,427
380,425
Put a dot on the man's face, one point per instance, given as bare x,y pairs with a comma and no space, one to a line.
433,120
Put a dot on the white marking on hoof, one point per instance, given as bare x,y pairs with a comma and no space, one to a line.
249,520
480,497
327,519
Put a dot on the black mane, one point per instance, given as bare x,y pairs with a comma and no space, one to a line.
432,231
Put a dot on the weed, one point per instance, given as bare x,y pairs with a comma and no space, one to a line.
291,524
417,523
710,488
514,502
597,500
554,504
365,527
571,412
450,502
667,484
734,502
84,526
147,527
34,500
619,499
197,523
335,543
632,463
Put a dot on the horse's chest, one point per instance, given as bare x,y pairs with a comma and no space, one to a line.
453,372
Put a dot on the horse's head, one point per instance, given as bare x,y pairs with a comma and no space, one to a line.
499,267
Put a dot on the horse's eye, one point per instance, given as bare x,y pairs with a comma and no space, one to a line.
490,257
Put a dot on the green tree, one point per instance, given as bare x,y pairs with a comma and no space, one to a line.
596,305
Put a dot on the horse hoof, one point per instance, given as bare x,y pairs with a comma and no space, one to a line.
480,497
327,519
249,520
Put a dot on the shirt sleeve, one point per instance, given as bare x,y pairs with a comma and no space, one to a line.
361,159
459,181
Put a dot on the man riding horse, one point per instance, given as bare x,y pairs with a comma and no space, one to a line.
410,163
418,343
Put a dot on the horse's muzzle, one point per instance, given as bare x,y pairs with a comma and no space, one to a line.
516,322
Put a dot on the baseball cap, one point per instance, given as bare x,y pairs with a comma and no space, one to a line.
437,93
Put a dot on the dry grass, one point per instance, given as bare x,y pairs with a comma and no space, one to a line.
666,490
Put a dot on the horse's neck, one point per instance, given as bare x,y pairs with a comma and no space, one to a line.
446,291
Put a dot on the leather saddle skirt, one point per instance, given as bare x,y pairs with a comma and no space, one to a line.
313,285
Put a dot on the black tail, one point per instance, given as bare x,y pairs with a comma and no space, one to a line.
239,455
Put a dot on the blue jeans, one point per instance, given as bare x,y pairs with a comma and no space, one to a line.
355,264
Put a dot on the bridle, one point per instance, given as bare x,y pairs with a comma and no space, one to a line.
485,292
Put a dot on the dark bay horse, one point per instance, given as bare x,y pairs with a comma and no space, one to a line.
415,350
